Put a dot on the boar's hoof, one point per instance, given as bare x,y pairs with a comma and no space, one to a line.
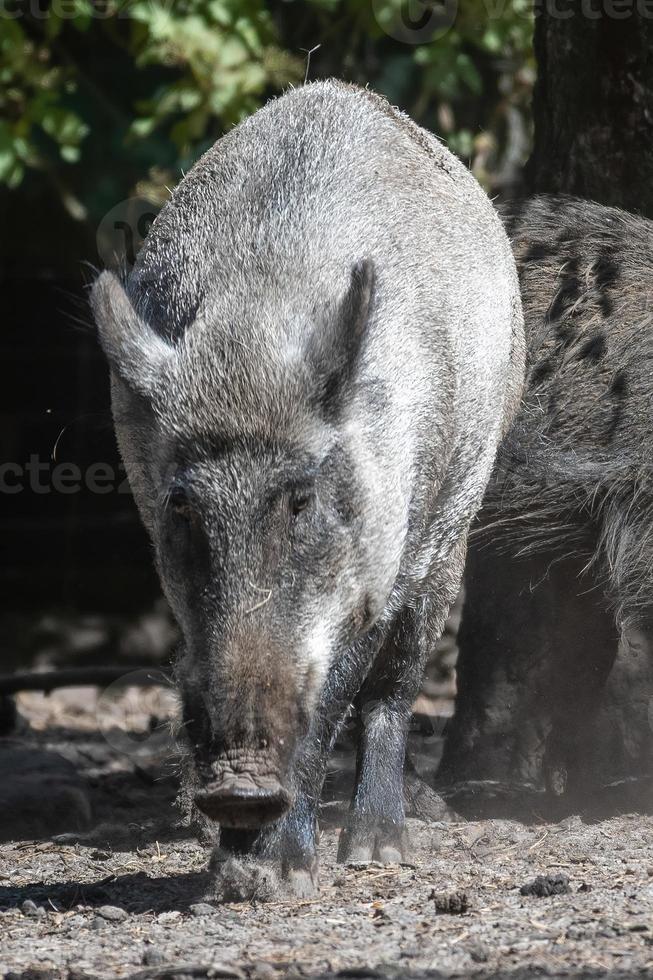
246,878
243,879
301,883
363,844
241,801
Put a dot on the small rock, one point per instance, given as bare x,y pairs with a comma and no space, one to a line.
153,956
112,914
453,903
545,885
262,971
409,953
166,918
571,823
75,922
381,917
32,909
585,887
201,908
478,952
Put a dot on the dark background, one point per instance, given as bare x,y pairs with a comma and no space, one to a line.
102,105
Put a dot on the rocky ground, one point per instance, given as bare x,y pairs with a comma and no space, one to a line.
102,876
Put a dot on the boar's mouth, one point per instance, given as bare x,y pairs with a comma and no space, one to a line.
242,798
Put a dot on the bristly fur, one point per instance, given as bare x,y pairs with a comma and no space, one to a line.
576,468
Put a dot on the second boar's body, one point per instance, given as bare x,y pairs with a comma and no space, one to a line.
562,562
313,362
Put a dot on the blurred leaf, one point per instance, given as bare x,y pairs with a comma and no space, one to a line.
63,126
70,153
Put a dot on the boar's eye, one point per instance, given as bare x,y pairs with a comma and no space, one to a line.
184,538
300,500
180,507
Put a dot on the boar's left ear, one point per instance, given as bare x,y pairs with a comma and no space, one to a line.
335,349
135,352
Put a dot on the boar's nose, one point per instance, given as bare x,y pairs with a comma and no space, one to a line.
238,800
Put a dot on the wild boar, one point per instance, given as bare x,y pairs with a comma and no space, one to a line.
561,564
312,361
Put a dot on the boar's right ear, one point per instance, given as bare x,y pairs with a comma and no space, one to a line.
135,352
335,350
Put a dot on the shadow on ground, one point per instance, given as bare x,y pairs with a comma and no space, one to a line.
135,893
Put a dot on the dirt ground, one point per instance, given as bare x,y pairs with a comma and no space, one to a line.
101,875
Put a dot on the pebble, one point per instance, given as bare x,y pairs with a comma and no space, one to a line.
454,903
263,971
31,908
153,956
571,823
201,908
112,914
168,917
76,922
478,952
545,885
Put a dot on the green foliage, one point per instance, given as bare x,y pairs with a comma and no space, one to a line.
226,55
97,94
32,91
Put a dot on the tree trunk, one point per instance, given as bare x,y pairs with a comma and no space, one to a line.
593,102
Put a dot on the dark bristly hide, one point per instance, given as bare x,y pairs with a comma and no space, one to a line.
561,559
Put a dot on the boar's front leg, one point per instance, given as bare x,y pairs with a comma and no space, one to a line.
375,828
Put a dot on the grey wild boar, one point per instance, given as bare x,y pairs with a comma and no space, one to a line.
562,562
313,361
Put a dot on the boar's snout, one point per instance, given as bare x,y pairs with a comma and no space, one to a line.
244,805
246,799
245,734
